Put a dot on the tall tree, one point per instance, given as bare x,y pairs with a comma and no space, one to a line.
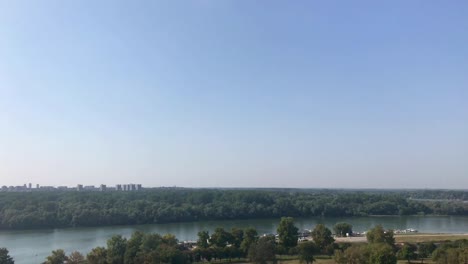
323,239
250,237
57,257
133,247
408,252
170,240
150,242
307,250
381,253
116,246
76,258
237,236
425,250
287,233
98,255
379,235
341,229
5,258
203,239
220,237
263,250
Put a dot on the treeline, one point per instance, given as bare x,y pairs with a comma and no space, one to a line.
72,209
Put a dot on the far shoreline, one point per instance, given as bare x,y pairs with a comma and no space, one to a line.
136,226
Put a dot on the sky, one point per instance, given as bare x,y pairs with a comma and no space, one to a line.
308,94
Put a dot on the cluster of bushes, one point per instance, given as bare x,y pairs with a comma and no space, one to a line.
71,209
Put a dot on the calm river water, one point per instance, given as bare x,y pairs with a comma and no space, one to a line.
32,246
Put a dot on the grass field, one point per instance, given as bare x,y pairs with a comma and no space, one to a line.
330,261
429,238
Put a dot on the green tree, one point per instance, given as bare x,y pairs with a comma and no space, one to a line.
355,254
150,242
250,237
323,239
203,238
448,255
166,253
339,257
408,252
133,247
116,246
237,236
425,250
453,255
463,255
379,235
381,253
263,251
287,233
76,258
341,229
307,250
220,237
97,255
170,240
5,258
57,257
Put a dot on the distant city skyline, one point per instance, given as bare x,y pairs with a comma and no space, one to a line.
301,94
78,187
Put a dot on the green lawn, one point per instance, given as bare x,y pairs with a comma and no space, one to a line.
330,261
428,238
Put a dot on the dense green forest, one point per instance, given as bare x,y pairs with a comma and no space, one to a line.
162,205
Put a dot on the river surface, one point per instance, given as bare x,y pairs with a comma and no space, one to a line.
32,246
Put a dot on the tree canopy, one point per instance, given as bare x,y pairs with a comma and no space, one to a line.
307,251
341,229
323,239
5,258
57,257
379,235
263,251
287,233
72,209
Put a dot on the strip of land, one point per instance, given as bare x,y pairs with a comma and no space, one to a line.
411,238
418,238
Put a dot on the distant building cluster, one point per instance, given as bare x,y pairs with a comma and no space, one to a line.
80,187
103,187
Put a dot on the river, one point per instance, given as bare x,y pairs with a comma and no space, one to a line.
32,246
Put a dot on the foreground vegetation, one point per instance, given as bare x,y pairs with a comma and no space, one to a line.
72,209
245,245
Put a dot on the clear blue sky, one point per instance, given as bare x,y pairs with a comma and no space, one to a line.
234,93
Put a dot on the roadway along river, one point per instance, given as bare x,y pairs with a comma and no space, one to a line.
32,246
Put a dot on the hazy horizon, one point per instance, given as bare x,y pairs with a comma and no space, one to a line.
302,94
